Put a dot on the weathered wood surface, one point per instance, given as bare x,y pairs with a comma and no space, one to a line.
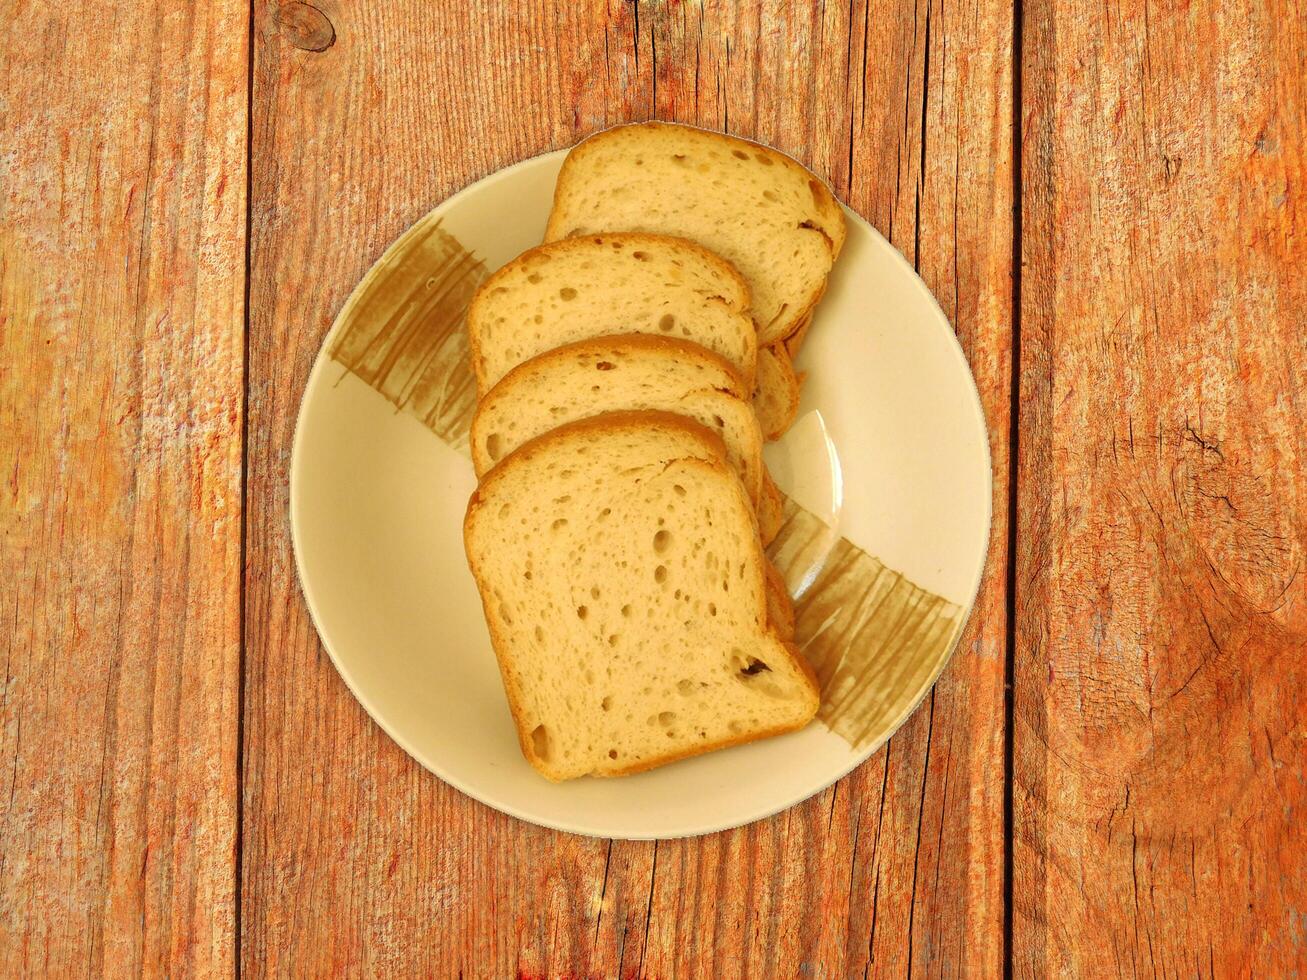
122,279
1161,655
355,858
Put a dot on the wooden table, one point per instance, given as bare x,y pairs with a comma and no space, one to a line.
1110,202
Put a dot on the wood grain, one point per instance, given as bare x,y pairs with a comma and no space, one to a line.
1161,731
899,867
122,277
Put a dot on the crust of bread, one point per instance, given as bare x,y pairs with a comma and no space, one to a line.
771,506
823,199
781,610
713,446
794,342
786,385
739,302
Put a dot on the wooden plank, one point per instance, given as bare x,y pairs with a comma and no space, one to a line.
1162,601
122,275
897,868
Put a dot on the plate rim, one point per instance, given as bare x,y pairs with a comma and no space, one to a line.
861,756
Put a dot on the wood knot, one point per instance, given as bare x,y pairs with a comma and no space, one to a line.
305,26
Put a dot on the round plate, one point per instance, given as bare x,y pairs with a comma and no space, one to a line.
377,504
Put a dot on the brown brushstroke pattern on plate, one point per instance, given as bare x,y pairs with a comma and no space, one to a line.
402,330
874,639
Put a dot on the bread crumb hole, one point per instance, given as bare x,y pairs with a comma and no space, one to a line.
538,318
754,667
540,742
527,575
606,704
712,609
594,592
612,640
605,366
680,490
612,753
684,686
540,635
735,727
740,154
582,612
662,541
640,256
626,612
666,323
770,195
533,278
605,512
660,574
560,523
567,292
666,718
763,158
494,445
721,422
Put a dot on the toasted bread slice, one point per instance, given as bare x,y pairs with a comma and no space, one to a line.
627,372
625,589
610,284
762,211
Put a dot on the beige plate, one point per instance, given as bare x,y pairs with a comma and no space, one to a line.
377,502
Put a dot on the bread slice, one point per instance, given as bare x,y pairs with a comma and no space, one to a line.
624,586
759,209
609,284
776,396
625,372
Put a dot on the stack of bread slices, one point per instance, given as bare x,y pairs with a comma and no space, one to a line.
628,372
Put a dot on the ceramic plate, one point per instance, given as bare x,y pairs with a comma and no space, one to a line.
887,471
